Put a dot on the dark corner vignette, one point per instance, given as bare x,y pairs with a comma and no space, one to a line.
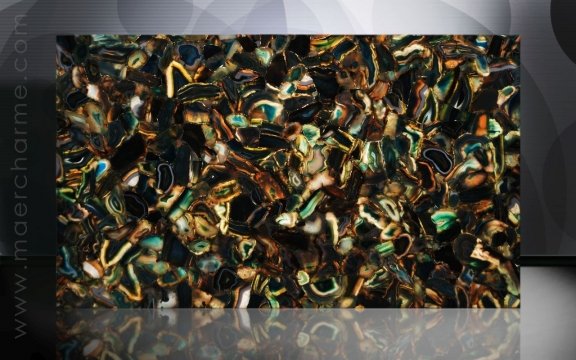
27,322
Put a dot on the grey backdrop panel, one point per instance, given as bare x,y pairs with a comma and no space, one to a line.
548,81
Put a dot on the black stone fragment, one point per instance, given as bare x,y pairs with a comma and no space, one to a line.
128,152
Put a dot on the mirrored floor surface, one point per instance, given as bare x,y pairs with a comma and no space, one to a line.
289,334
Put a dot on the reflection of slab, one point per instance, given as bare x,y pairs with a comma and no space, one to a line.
293,334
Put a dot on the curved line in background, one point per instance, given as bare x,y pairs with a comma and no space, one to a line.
537,228
455,13
557,175
563,25
490,8
205,16
7,27
269,10
355,22
553,195
334,6
134,16
257,17
301,3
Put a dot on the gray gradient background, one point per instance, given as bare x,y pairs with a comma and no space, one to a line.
548,106
548,80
